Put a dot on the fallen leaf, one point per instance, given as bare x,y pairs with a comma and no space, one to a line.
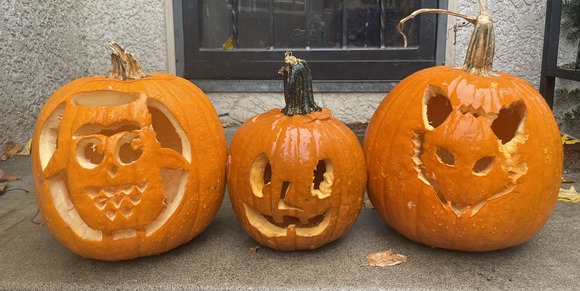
4,179
253,250
229,44
567,181
368,204
386,258
569,195
8,178
9,150
26,149
566,139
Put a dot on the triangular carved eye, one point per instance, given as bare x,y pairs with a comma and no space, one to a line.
260,174
508,121
436,107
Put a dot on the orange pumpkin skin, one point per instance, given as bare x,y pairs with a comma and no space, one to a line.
448,202
293,147
128,168
296,175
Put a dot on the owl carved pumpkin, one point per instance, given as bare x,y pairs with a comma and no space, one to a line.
464,158
296,175
128,165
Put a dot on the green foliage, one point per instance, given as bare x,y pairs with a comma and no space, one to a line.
570,118
565,94
571,19
573,116
569,66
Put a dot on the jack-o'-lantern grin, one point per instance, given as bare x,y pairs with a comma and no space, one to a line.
291,210
282,224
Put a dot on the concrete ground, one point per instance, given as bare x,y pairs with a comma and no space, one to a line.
30,258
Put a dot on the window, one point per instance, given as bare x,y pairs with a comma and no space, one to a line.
344,41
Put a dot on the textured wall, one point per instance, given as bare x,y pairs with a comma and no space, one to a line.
519,30
45,44
39,41
235,108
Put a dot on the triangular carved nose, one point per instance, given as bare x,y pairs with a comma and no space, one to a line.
112,170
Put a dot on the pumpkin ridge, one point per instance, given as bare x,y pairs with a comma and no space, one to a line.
383,113
348,137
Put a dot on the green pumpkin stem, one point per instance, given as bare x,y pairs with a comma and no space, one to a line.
124,65
297,87
479,56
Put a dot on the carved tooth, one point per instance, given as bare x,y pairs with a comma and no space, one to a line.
141,187
304,221
100,204
109,191
117,200
135,199
92,192
127,212
111,214
278,218
127,189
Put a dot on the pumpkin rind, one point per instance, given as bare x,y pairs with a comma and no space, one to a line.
445,200
117,210
277,189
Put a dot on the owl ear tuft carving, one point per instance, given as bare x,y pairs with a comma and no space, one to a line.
112,160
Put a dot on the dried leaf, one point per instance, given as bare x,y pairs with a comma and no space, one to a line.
368,204
9,150
253,250
8,178
229,44
386,258
26,149
569,195
566,139
4,179
567,181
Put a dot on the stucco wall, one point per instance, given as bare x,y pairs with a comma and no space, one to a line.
46,44
519,28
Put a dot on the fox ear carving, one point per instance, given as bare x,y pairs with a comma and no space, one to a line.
436,107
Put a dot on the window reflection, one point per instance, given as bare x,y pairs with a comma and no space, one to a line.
265,24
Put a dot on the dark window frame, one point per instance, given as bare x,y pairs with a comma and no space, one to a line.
336,69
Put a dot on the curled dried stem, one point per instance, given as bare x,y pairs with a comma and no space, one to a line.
401,25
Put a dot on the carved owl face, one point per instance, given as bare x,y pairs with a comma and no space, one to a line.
115,169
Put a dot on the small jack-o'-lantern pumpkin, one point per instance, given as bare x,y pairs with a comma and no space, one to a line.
464,158
128,165
296,176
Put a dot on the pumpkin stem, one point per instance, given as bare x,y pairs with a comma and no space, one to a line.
297,87
124,65
479,56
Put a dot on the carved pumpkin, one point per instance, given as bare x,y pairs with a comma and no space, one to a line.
464,158
128,165
296,176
